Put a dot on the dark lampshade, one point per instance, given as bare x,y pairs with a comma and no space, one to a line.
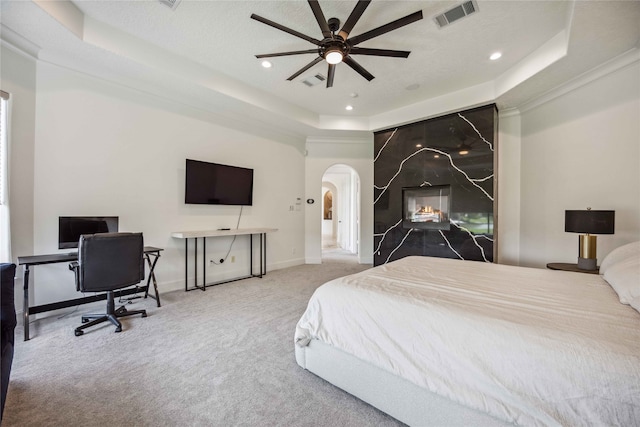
589,222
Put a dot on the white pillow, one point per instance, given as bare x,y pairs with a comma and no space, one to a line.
620,254
624,278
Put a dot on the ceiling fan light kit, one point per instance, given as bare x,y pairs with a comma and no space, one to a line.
333,55
336,46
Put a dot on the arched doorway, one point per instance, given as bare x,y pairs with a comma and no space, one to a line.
340,213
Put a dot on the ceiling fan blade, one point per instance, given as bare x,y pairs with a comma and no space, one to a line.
296,52
356,13
305,68
416,16
379,52
358,68
285,29
317,12
330,74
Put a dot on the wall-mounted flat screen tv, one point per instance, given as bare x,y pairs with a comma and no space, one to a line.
70,228
215,184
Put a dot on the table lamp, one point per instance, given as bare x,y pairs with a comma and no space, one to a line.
588,222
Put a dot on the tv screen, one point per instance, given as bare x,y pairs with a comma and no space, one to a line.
70,228
215,184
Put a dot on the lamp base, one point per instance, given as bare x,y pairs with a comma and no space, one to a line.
587,263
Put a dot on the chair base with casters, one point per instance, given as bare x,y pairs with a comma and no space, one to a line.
111,315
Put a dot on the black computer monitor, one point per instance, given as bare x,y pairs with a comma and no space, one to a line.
70,228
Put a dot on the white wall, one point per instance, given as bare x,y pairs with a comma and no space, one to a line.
320,156
580,149
18,78
507,231
102,149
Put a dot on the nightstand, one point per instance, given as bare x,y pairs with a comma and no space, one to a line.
569,267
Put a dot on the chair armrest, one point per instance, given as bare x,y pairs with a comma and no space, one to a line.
75,267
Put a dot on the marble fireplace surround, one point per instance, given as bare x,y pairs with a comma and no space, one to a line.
457,151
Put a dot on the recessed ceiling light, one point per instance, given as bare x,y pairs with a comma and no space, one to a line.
463,152
418,145
348,107
495,55
436,156
266,64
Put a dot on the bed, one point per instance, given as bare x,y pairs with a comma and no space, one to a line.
435,341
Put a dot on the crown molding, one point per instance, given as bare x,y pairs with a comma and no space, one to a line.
621,61
17,43
341,140
509,112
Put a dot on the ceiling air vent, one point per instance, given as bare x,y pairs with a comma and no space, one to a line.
314,80
452,15
172,4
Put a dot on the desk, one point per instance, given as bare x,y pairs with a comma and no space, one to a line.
251,232
28,261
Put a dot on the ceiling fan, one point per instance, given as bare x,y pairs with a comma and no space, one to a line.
336,46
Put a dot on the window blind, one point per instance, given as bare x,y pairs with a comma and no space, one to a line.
4,160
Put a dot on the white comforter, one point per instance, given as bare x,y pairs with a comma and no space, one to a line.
530,346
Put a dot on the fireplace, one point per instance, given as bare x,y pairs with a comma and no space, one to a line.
426,208
410,157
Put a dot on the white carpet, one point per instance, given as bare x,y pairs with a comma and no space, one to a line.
223,357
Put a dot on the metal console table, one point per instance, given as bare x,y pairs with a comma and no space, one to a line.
251,232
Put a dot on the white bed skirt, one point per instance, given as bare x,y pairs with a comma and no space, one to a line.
391,394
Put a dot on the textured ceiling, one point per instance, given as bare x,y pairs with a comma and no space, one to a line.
202,53
221,36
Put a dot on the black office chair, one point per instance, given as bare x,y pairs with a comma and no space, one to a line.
106,262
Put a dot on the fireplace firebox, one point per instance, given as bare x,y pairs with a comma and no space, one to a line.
426,208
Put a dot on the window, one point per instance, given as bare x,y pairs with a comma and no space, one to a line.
5,247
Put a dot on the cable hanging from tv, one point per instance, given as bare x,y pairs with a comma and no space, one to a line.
223,260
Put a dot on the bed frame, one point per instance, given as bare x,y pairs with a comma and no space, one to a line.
389,393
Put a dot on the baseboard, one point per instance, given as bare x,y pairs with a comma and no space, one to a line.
285,264
177,285
365,260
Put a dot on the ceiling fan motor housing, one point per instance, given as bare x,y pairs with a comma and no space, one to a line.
334,24
329,45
